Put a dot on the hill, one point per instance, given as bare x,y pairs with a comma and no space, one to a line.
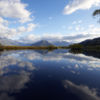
7,42
92,42
42,43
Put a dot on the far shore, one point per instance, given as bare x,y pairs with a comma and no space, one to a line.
73,48
30,47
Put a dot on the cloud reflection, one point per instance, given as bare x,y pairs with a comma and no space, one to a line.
82,91
14,74
17,66
69,57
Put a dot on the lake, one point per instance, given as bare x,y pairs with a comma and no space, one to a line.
48,75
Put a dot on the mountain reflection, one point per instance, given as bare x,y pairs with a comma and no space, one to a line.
58,55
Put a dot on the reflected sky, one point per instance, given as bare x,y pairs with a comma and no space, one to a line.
82,91
50,75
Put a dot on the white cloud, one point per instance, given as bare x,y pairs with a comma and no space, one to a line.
80,5
31,38
77,28
11,33
77,22
14,9
79,34
31,26
2,21
22,29
47,36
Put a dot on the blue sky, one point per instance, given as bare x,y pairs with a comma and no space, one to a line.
33,20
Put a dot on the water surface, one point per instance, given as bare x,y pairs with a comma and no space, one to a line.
53,75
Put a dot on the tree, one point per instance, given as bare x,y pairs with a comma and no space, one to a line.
97,13
76,47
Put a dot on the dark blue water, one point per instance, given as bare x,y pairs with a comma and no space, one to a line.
43,75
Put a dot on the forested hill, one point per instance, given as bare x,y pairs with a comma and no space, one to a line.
92,42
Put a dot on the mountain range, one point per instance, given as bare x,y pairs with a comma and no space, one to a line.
5,41
90,42
61,43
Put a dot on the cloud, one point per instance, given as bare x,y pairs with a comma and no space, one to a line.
2,21
11,33
47,36
14,9
30,38
79,34
75,5
77,22
29,28
83,92
80,37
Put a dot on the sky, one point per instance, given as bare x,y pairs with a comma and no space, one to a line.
52,20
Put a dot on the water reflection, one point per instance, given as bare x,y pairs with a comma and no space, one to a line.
14,74
28,75
82,91
57,55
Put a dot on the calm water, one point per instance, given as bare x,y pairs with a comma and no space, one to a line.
43,75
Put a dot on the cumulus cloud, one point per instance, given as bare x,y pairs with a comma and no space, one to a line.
75,5
3,21
10,33
14,9
29,28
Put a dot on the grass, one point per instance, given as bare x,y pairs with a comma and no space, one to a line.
73,48
26,47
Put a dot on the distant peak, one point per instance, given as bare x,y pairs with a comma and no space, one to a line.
42,43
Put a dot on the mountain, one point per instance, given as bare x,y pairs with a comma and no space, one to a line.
61,43
5,41
42,43
92,42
